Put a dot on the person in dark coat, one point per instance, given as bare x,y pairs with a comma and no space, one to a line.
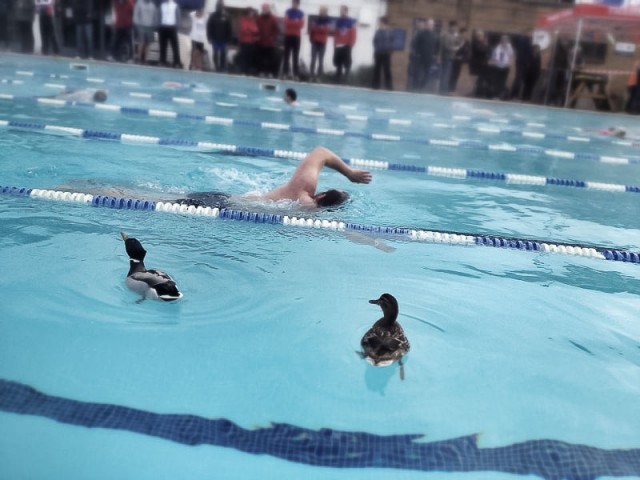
524,56
382,49
219,35
531,73
84,13
24,13
478,64
422,55
460,57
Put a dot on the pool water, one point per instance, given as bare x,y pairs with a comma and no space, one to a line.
521,362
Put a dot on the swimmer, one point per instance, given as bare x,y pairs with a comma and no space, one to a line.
83,95
617,132
300,188
290,97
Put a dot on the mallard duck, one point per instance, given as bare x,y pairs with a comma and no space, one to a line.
152,284
385,342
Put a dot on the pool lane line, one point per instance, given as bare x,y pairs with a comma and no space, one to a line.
400,233
326,447
230,122
430,170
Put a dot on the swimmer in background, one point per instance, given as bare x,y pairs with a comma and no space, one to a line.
300,188
82,95
290,97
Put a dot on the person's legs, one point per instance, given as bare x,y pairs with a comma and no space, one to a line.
377,70
314,59
223,57
445,75
173,38
296,56
288,50
347,61
386,70
44,34
118,40
163,35
215,56
322,47
88,33
456,66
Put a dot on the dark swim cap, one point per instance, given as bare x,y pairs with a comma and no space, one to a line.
100,96
291,93
331,198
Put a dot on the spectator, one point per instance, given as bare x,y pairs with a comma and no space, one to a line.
460,57
5,9
500,63
524,57
219,35
247,40
84,13
24,13
168,32
448,46
198,39
318,34
531,73
47,27
344,39
632,105
421,55
123,11
479,63
560,64
382,49
293,23
145,20
268,31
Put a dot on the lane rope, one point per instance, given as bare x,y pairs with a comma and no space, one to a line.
409,234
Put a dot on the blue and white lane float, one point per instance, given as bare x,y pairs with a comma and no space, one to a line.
408,234
386,137
436,171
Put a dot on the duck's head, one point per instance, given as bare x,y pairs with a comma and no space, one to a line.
388,304
134,248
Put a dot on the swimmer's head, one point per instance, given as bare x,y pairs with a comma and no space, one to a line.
617,132
100,96
331,198
290,95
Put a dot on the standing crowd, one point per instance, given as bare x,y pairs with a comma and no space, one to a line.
269,46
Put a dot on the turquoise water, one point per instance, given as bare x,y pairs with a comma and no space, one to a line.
514,346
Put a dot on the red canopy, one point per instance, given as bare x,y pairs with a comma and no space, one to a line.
619,21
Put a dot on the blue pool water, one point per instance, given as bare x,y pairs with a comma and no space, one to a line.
522,362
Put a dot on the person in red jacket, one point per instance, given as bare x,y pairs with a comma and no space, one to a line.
122,25
247,40
318,34
293,23
344,38
268,31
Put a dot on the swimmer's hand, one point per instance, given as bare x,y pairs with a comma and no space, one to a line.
359,176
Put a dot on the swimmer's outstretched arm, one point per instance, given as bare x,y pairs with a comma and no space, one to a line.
333,161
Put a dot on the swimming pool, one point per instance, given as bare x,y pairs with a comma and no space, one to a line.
522,362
